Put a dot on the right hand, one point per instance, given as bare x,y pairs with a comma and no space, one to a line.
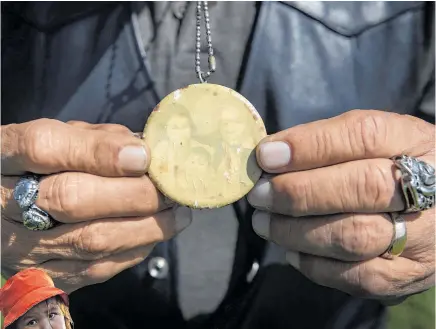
95,185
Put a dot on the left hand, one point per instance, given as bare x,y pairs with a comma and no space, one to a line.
326,199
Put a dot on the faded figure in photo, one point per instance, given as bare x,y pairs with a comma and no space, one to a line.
29,300
173,149
232,155
198,176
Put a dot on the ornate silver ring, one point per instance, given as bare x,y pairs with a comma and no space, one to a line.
36,219
417,182
26,191
399,237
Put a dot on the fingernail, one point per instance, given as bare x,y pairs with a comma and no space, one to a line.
261,221
133,158
274,155
183,217
293,258
261,194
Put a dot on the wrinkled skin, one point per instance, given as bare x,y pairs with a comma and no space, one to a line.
326,198
95,185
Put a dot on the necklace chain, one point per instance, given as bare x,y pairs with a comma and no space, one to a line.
203,76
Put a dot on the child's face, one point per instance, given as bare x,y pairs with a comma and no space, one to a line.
45,315
197,162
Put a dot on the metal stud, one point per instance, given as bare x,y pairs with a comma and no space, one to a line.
158,268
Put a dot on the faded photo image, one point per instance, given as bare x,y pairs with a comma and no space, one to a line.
203,140
235,153
233,136
30,300
182,162
198,175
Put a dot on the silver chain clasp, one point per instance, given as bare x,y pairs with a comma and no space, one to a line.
203,76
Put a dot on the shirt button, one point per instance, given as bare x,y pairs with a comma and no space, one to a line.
158,268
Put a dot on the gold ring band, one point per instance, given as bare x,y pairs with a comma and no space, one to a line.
399,237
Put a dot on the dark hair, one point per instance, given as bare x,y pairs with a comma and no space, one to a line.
179,110
151,132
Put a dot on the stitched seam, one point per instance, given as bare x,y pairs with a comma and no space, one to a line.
419,7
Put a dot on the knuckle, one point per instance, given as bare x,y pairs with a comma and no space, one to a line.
354,238
369,131
323,144
377,186
89,244
299,196
37,141
61,195
103,150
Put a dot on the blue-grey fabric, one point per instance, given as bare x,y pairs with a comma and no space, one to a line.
305,61
330,57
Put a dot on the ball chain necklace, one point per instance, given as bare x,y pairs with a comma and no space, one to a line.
203,137
211,58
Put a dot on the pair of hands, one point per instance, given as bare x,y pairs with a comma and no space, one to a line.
329,186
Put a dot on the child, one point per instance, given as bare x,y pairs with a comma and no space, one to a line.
29,300
197,175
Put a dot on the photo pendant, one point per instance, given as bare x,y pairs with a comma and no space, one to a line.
203,142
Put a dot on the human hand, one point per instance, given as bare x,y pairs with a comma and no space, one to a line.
95,185
326,198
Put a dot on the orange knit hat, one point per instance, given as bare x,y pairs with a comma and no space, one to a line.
24,290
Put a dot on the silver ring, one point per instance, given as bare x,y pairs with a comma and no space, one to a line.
399,237
26,191
36,219
417,182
